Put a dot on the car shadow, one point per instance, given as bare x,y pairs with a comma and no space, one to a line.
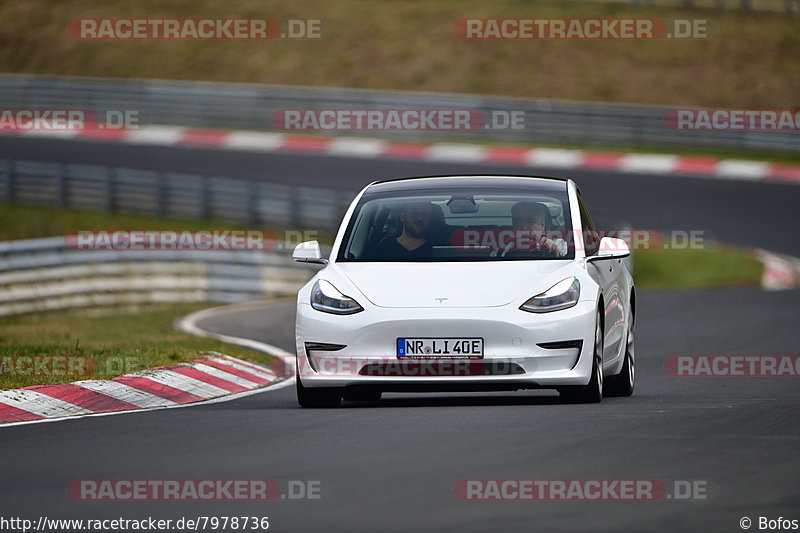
459,400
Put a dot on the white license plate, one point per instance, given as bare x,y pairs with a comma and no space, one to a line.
432,348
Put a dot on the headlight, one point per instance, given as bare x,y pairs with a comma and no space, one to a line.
562,295
325,297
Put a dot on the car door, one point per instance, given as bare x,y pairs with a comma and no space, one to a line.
608,273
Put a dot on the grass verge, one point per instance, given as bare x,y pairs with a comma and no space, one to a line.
720,266
100,346
748,61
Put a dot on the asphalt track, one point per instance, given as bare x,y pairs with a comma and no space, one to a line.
391,466
757,214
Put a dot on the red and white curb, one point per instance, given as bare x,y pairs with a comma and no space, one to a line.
781,272
354,147
213,378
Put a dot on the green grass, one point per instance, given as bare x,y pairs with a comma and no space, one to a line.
112,343
679,269
750,61
30,222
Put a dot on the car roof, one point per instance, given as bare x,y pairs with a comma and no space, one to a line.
484,181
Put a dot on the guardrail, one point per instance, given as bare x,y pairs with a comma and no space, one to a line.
45,274
250,106
172,195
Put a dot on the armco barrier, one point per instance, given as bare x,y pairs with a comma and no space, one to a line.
45,274
250,106
172,195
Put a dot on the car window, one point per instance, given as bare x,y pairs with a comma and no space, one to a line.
463,225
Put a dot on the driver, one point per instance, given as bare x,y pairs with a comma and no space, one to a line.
413,242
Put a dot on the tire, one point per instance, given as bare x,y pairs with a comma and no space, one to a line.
593,391
623,383
316,398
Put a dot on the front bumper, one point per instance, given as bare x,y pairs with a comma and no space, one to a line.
513,357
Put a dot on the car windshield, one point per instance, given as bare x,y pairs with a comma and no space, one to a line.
460,225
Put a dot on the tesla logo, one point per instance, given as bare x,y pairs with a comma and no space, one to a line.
440,300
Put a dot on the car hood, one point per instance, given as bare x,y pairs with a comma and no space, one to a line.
456,284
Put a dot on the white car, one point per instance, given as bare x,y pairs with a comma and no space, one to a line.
466,283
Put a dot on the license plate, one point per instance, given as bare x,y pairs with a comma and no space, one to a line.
439,348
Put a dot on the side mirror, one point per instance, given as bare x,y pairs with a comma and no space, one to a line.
611,248
308,252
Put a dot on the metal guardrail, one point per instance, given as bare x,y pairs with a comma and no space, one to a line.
172,195
45,274
250,106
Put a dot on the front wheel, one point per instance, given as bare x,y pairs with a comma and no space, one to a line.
593,391
622,383
316,398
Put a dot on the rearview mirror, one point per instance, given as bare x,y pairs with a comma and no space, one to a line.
611,248
461,204
308,252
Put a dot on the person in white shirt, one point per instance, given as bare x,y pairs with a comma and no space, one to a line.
533,217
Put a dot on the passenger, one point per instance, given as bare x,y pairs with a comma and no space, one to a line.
533,217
